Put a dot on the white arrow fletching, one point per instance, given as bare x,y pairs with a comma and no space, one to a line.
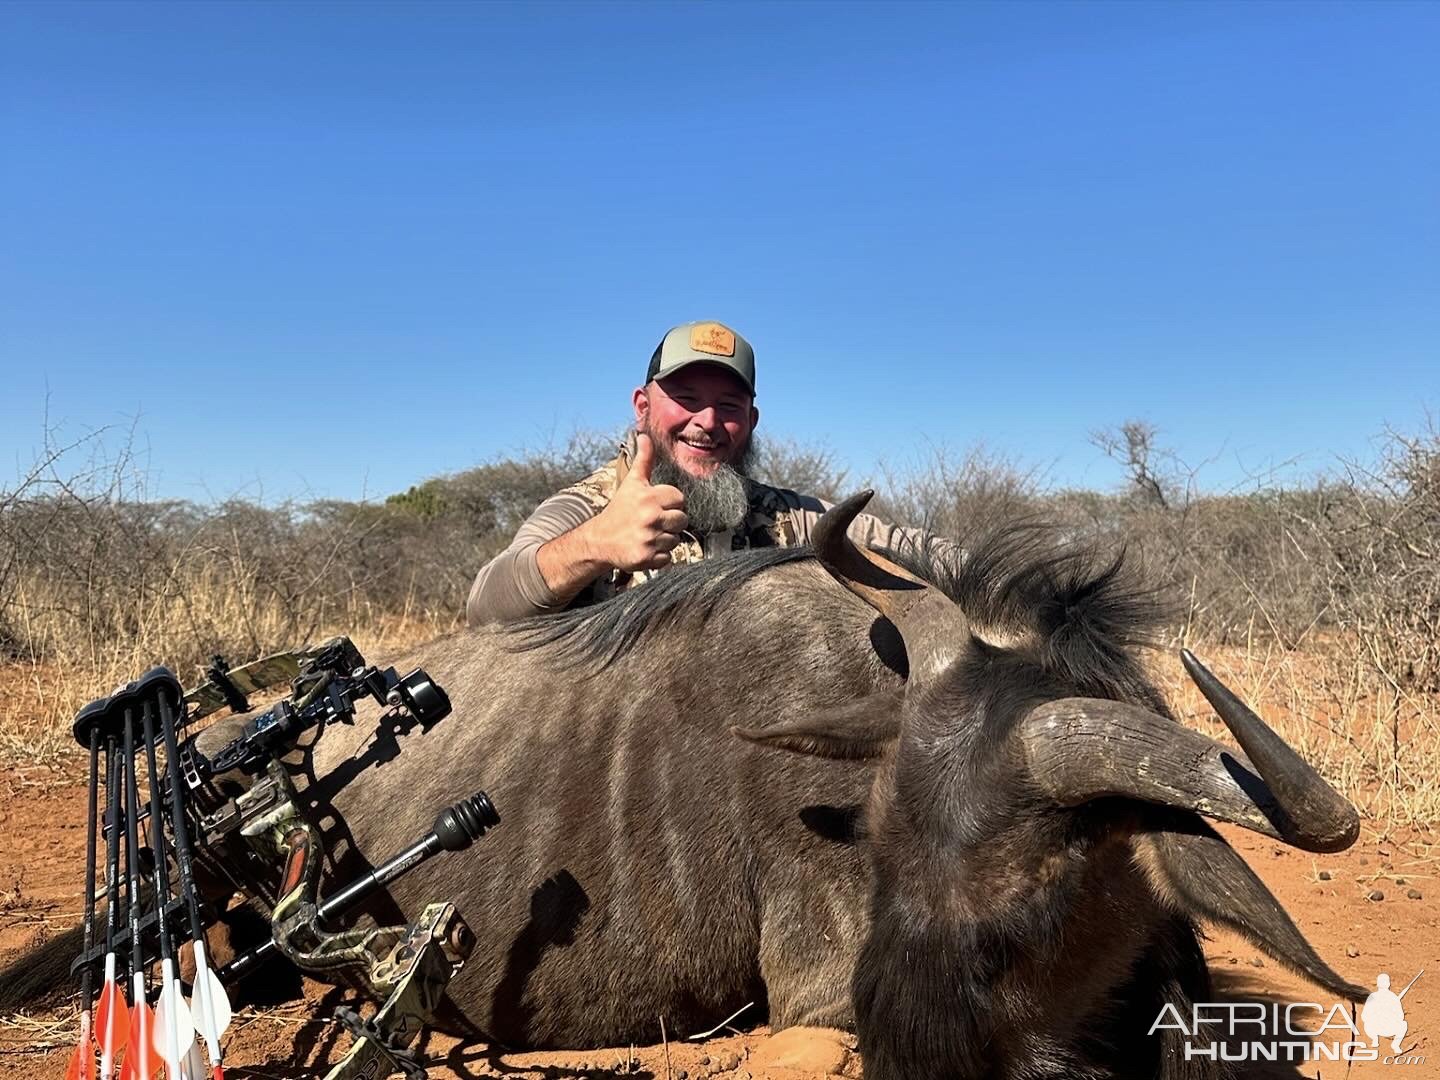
210,1004
174,1030
193,1067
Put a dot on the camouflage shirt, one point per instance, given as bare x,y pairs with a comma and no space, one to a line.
511,586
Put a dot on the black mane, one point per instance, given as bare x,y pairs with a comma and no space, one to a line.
1080,612
596,635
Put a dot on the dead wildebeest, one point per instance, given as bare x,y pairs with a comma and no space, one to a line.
651,865
1038,861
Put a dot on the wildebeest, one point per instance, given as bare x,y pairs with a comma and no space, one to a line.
653,865
1037,860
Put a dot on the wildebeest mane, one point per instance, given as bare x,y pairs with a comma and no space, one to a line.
1077,612
594,636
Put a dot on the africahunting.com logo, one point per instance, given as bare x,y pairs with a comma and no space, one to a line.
1298,1031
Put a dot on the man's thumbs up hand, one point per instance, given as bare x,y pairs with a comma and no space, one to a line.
642,522
644,459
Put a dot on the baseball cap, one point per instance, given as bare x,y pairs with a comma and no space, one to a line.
703,343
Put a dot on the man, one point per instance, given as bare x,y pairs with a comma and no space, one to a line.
678,492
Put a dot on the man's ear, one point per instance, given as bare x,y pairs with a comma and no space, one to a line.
754,417
641,400
857,730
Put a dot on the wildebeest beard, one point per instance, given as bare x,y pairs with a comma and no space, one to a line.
715,502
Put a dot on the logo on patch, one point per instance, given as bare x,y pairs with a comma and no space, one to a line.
712,338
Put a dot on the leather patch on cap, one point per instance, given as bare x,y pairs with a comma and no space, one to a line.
712,338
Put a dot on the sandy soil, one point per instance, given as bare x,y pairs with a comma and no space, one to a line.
1369,910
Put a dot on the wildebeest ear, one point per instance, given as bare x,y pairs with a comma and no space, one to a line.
1195,872
863,728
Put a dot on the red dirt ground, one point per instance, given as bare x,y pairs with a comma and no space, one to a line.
42,838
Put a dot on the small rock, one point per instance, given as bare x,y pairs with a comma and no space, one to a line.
808,1050
681,1074
704,1059
1257,962
1324,875
1234,959
1375,894
728,1061
1413,894
1399,881
1351,951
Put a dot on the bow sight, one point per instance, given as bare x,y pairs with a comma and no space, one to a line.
275,731
261,842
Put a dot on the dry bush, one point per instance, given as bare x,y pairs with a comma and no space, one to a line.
97,583
954,494
1379,533
1323,599
811,470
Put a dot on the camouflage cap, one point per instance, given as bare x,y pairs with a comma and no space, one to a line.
703,343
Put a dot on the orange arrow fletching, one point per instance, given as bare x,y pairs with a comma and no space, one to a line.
112,1021
82,1061
142,1062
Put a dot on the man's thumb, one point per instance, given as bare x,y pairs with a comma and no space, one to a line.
644,459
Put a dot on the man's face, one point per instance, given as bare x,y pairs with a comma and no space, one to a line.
701,417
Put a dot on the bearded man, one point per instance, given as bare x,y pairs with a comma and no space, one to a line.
679,491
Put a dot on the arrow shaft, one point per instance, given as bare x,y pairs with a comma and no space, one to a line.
113,1025
168,1018
89,932
203,999
180,827
157,828
132,861
112,847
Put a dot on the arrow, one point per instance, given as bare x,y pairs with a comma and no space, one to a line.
82,1061
112,1018
140,1062
210,1004
174,1030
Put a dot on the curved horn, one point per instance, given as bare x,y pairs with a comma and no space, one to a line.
1079,749
931,626
1301,790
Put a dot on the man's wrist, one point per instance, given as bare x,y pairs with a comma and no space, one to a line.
571,561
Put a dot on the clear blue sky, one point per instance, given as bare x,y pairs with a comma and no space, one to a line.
332,248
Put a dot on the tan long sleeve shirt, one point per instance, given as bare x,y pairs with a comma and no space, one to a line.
511,586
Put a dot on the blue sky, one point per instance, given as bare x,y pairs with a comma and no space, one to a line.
335,248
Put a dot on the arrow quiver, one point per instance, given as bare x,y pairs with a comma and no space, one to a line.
245,836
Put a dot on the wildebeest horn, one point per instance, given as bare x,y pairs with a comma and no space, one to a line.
1303,792
931,626
1079,749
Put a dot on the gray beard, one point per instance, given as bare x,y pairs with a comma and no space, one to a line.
713,503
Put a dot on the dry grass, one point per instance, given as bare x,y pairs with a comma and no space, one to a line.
1378,745
39,697
1320,604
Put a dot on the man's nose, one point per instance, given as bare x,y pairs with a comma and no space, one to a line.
706,418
